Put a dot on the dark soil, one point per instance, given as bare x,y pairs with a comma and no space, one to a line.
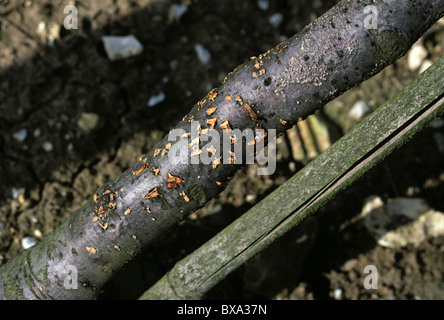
46,84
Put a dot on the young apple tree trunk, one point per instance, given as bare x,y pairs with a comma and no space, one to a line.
345,46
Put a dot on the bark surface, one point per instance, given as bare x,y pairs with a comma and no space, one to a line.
272,91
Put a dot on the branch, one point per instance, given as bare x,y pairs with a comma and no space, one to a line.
270,92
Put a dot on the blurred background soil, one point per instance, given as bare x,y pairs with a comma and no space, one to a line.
71,120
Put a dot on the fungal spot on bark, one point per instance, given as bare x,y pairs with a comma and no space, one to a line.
156,152
74,252
216,162
173,179
153,194
212,95
226,125
91,249
143,167
306,58
196,151
210,111
156,171
104,225
212,122
267,82
250,112
183,194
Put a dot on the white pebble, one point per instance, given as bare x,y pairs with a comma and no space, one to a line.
20,135
416,56
276,19
251,198
337,294
264,5
177,10
88,122
121,47
17,191
158,98
203,54
359,110
47,146
425,65
28,242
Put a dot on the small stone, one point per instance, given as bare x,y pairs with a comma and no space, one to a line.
425,65
158,98
203,54
174,64
250,198
276,19
416,56
349,264
359,110
47,146
121,47
28,242
88,122
177,11
401,221
37,132
337,294
41,28
16,192
20,135
264,5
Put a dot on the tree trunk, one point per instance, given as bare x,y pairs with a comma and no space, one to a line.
347,45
